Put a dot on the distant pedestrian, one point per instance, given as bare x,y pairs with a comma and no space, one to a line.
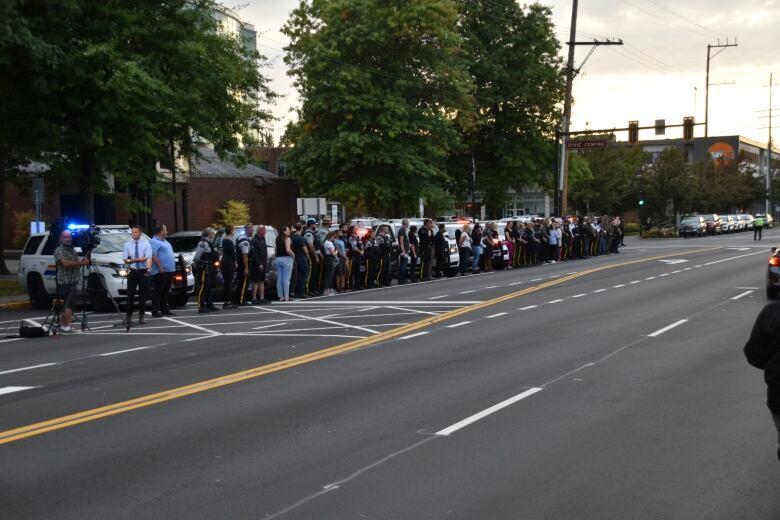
763,351
758,225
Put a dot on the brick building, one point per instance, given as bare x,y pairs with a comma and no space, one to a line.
211,182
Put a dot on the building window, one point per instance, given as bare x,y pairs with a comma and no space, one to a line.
282,169
266,165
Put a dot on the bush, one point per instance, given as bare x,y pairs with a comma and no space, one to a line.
232,212
22,220
660,233
632,228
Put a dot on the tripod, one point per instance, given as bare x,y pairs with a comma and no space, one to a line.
52,323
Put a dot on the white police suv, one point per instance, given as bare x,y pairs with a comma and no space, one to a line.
37,270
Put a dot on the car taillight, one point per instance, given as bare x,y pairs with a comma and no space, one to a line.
496,241
774,260
178,278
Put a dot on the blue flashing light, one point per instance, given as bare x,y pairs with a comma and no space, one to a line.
75,227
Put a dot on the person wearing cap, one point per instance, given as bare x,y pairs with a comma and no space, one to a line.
258,266
314,247
242,247
204,261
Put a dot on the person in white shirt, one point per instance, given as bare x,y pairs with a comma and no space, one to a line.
138,258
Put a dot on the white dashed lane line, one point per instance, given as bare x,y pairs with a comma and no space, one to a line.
599,290
13,389
650,278
737,297
528,307
468,292
635,282
667,328
415,335
578,295
27,368
117,352
618,286
556,301
496,315
460,324
438,297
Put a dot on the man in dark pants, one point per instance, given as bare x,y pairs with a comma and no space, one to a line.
138,257
763,351
301,260
228,267
403,251
242,247
163,267
205,276
441,247
426,250
758,226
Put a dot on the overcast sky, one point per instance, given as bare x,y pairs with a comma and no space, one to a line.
659,72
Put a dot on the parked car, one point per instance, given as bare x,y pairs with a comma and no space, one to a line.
713,223
692,226
728,224
747,222
769,222
37,271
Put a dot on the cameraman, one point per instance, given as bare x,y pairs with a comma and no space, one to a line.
138,257
68,268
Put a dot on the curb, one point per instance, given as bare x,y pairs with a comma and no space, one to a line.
15,306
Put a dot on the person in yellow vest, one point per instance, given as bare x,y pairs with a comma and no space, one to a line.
758,225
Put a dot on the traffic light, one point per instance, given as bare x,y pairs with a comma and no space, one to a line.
688,128
633,132
641,202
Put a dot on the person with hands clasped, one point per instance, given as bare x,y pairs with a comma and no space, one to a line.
138,258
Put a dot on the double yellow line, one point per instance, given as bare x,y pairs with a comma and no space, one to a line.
94,414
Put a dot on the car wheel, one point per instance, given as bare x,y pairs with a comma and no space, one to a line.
178,300
39,299
772,292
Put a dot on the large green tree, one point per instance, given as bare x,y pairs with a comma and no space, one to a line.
382,84
605,181
515,63
128,78
668,184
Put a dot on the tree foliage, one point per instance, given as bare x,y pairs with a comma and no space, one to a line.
232,212
383,85
116,81
519,83
605,181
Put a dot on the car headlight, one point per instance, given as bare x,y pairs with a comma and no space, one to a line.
453,249
120,272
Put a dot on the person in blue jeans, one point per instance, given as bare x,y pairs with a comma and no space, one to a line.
476,248
284,263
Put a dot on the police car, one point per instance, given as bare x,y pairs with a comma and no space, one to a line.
773,275
37,270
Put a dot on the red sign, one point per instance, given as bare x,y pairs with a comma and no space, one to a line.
590,144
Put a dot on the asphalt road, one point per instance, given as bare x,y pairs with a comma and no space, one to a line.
608,388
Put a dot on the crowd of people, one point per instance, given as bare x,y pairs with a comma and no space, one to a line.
314,259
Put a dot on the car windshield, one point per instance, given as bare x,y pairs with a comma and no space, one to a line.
691,220
184,243
113,242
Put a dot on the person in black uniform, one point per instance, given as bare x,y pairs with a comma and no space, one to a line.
441,247
301,260
414,247
204,261
576,246
314,247
426,250
227,265
403,251
243,246
355,248
385,245
372,255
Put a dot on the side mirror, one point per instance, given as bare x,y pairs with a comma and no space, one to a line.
774,249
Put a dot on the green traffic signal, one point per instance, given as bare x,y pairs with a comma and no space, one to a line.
641,202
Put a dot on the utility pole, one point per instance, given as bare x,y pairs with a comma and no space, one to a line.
571,72
173,186
768,184
710,56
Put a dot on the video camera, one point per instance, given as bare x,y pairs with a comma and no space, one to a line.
84,236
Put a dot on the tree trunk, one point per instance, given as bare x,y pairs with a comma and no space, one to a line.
3,179
87,187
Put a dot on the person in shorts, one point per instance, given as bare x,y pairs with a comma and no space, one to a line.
68,271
